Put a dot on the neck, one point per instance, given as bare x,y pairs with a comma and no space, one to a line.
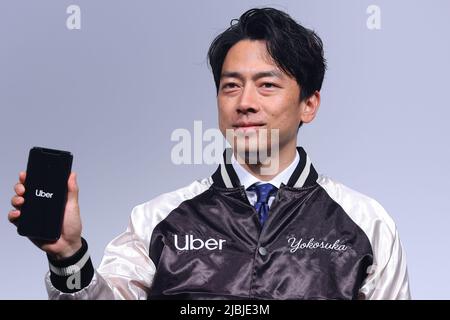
284,158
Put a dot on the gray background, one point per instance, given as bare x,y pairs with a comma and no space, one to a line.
113,92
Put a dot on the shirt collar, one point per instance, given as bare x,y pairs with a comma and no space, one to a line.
247,179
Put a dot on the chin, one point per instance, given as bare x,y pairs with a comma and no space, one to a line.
252,150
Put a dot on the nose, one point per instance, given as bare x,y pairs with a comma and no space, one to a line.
248,102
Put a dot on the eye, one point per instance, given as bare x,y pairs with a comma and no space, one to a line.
230,86
269,85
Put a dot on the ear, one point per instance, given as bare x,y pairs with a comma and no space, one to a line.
309,107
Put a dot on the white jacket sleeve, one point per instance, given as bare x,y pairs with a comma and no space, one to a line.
126,270
388,276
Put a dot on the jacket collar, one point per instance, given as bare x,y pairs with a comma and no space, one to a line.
304,174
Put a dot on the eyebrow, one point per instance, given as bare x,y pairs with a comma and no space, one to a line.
262,74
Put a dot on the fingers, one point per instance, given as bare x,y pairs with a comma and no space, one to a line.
13,216
19,188
17,202
72,186
22,176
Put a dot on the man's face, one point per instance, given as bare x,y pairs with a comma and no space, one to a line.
255,94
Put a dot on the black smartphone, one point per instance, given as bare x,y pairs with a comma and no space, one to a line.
41,215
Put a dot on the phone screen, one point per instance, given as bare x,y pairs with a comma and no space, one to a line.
45,193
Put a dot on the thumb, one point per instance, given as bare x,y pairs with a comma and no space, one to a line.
72,188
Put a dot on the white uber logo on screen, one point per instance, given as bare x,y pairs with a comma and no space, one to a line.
43,194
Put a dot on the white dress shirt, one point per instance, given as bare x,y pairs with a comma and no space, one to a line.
247,179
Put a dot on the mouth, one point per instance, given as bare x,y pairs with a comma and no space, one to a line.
248,126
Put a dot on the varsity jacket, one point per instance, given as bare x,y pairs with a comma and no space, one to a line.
321,240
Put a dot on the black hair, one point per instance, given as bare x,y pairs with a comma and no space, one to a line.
296,50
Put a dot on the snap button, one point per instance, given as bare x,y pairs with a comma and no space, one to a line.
262,251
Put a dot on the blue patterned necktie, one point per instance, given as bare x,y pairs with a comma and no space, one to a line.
263,192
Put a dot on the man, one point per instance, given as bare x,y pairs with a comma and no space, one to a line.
244,232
